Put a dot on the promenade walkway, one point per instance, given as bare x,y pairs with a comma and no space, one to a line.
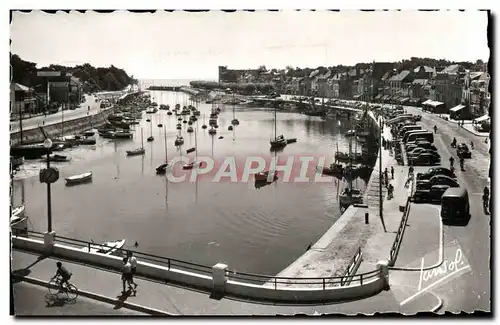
165,299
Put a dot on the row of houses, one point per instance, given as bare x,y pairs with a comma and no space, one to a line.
452,86
60,90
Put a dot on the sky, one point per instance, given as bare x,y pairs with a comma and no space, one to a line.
181,45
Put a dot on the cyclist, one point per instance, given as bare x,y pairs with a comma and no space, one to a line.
64,274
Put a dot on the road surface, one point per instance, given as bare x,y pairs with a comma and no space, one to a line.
80,111
471,291
31,300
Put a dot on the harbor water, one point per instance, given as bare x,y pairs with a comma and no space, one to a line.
258,230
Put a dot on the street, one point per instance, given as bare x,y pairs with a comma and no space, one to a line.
474,239
31,300
80,111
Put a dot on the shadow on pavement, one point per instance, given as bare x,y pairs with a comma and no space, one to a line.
122,298
56,301
20,273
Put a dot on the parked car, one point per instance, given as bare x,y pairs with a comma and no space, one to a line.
415,152
427,145
463,151
437,180
425,159
433,194
436,171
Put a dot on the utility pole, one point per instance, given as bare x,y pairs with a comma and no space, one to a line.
381,199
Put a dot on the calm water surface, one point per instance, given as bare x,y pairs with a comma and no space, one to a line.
252,230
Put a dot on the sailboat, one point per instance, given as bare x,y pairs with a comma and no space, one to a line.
235,120
194,163
278,141
137,151
151,138
204,126
163,167
350,195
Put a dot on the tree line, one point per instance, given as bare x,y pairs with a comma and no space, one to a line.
93,79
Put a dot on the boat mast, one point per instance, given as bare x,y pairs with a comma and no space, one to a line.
195,146
350,167
275,123
165,132
142,140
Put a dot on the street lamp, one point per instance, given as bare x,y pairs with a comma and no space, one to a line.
47,144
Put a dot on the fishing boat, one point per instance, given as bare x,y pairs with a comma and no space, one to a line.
190,129
264,176
59,158
169,113
88,141
336,170
235,120
190,150
194,163
278,141
350,195
18,212
179,141
162,169
230,128
292,140
150,138
78,179
148,120
88,133
108,134
190,123
137,151
122,134
108,248
212,131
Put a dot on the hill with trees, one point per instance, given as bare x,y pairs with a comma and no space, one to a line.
93,79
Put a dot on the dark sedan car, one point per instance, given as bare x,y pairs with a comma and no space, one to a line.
433,194
436,171
428,158
463,151
436,180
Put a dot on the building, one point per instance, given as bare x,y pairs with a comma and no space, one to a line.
323,84
397,81
22,100
448,85
475,94
424,72
313,79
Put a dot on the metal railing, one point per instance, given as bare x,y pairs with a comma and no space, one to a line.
399,235
323,283
352,268
247,278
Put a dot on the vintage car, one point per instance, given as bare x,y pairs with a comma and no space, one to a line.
436,171
437,180
429,195
463,151
428,158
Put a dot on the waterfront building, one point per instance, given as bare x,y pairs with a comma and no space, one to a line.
22,100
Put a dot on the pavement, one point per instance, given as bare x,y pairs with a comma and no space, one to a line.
34,300
183,301
468,290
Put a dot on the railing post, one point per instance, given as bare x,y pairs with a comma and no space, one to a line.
48,241
275,284
383,267
361,279
323,283
168,264
219,278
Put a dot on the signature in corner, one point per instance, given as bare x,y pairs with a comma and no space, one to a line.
446,269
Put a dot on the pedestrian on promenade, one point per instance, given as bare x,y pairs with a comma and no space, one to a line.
386,172
392,172
133,267
126,275
410,171
472,145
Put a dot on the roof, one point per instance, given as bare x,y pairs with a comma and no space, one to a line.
400,76
420,81
327,74
476,74
18,87
426,69
352,73
451,69
314,74
386,75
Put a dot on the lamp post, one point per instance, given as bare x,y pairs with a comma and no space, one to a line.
48,144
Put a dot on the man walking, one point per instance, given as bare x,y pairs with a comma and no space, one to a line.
133,267
126,275
392,172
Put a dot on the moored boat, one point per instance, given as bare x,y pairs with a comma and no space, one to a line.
265,177
80,178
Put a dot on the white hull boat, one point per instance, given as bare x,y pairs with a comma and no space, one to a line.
108,248
77,179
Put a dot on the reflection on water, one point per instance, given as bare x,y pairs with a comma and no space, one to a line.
256,230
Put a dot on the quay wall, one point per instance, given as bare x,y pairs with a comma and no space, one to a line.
67,127
216,280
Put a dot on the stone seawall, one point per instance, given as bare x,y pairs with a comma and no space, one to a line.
67,127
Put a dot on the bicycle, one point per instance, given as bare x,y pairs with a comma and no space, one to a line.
70,290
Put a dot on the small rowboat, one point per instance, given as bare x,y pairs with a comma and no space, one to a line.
107,248
292,140
136,152
264,176
162,168
190,150
59,158
78,179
